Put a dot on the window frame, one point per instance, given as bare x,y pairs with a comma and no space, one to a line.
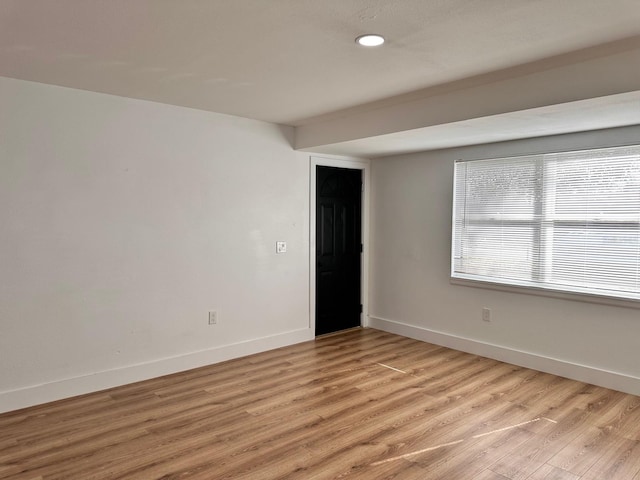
541,243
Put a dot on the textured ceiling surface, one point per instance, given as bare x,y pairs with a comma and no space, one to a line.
287,61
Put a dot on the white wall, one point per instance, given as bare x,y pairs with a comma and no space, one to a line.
123,223
410,291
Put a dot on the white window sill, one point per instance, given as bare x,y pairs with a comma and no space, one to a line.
529,290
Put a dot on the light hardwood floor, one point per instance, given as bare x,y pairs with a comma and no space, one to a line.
358,405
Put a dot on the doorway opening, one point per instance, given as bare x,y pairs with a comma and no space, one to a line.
338,231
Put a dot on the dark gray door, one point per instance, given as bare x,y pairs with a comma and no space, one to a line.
338,248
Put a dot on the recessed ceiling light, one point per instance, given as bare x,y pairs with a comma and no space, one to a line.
370,40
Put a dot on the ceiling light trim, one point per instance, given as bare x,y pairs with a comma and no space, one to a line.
370,40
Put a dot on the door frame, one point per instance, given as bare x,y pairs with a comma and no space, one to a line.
355,164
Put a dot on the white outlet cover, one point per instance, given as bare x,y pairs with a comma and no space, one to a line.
281,247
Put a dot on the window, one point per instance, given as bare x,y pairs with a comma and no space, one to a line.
563,221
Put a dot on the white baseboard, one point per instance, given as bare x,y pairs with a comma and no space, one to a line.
48,392
582,373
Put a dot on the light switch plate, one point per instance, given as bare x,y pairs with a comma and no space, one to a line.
281,247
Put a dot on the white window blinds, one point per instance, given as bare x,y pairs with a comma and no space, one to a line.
563,221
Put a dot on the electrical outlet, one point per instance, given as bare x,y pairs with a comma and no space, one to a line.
281,247
213,317
486,315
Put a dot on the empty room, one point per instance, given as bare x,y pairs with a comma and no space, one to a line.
328,239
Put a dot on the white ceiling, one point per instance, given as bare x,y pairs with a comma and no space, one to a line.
579,116
290,61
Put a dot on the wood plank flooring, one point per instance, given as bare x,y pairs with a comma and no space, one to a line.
361,405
